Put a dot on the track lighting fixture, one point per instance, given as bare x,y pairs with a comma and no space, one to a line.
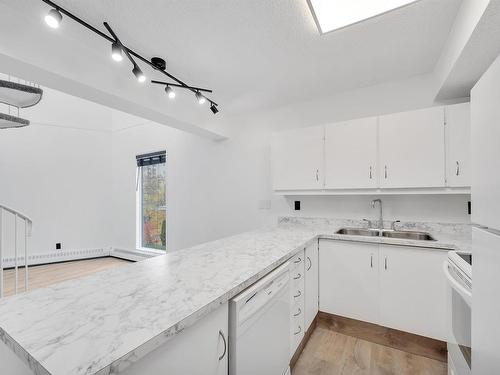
201,99
53,18
139,74
170,92
116,51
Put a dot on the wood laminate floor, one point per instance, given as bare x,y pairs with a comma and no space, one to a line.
333,353
48,274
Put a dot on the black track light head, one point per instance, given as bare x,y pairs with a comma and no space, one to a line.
116,51
213,108
201,99
170,92
139,74
53,18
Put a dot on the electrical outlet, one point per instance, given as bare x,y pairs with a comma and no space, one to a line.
297,205
58,246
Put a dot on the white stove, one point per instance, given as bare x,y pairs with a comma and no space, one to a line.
458,271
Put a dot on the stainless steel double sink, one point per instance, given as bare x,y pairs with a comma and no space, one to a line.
401,234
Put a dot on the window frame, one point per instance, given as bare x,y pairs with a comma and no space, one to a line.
139,212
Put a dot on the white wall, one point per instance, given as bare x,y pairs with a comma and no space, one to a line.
57,171
213,188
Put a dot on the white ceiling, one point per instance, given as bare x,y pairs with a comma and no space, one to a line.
255,54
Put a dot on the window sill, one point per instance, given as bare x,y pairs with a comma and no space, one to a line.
151,251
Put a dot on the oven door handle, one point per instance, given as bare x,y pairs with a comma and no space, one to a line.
467,295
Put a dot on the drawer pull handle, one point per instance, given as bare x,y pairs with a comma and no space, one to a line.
310,263
297,277
300,330
385,263
297,295
221,334
298,312
297,261
458,169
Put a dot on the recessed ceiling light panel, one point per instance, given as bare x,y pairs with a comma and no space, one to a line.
335,14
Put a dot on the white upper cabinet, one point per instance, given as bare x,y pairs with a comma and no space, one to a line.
409,150
412,149
457,132
351,154
297,159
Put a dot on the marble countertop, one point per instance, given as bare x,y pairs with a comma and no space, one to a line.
101,323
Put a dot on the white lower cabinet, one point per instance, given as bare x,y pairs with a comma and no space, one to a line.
297,291
348,279
199,350
413,290
400,287
312,284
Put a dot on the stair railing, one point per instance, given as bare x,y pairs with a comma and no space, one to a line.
18,216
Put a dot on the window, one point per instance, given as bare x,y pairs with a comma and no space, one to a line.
335,14
151,201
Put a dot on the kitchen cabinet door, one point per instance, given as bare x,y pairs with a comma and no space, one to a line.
485,136
297,159
412,149
312,284
348,279
194,351
458,141
413,290
351,154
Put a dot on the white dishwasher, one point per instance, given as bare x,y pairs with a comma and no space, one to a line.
259,326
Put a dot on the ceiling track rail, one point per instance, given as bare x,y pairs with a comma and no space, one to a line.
131,53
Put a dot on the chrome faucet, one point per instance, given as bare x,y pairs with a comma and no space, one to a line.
381,218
